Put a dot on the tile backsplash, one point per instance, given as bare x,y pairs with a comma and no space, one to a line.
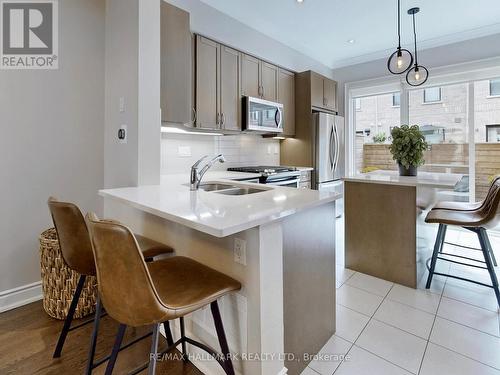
180,151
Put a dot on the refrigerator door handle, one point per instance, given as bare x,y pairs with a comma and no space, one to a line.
330,150
337,148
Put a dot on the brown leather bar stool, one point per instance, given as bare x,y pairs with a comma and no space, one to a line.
476,217
136,293
76,249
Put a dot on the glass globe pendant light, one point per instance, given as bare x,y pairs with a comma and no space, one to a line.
401,60
418,74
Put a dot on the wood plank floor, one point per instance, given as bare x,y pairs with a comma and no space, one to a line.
28,337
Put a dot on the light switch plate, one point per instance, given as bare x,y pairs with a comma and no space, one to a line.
184,151
240,251
269,149
121,104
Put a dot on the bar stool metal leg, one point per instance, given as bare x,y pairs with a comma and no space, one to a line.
228,364
116,349
183,338
154,350
441,246
69,317
490,249
93,340
483,240
168,333
438,245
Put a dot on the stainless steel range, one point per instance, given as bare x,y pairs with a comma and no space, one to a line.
272,175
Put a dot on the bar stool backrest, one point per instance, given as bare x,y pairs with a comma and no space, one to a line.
74,239
125,285
491,205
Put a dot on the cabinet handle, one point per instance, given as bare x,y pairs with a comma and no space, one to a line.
223,118
263,92
217,120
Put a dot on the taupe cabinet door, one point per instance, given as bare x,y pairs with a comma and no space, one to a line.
286,96
206,83
250,76
229,93
269,81
176,65
329,88
317,97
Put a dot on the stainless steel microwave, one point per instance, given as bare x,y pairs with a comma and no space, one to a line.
262,115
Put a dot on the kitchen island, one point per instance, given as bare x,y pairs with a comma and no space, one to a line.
385,232
279,242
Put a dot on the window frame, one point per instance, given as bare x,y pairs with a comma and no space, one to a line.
357,104
496,81
426,101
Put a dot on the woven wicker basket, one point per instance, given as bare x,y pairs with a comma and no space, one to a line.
59,282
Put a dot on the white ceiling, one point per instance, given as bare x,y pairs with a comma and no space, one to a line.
321,28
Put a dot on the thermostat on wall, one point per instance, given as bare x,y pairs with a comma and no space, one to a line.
122,134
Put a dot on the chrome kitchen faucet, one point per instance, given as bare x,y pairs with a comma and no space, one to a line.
196,176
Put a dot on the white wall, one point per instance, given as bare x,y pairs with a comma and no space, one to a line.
132,73
239,151
52,139
456,53
210,22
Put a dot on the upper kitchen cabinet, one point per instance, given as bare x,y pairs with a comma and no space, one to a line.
323,91
217,86
259,78
250,76
176,65
229,92
269,81
207,87
286,96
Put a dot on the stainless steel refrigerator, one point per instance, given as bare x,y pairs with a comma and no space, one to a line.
329,143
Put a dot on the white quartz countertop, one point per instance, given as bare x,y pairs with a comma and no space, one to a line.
429,179
218,214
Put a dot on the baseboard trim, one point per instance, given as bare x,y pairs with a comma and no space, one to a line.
20,296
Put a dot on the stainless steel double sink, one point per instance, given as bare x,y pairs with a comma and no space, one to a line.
228,189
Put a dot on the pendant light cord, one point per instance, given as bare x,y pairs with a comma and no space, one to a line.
399,23
415,39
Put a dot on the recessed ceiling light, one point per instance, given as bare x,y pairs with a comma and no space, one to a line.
351,41
300,1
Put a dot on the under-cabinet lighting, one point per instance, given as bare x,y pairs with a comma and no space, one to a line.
172,130
279,137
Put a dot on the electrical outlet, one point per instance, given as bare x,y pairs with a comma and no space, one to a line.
269,149
184,151
240,251
276,149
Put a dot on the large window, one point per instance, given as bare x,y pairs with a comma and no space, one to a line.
373,129
432,95
495,87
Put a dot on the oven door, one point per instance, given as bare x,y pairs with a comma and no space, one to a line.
289,182
262,115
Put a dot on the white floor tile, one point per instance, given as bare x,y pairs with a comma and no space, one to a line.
404,317
342,274
417,298
358,300
370,284
480,297
467,341
437,285
361,362
438,360
336,346
349,323
392,344
468,315
309,371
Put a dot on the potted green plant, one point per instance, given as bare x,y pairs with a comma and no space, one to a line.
379,138
407,148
